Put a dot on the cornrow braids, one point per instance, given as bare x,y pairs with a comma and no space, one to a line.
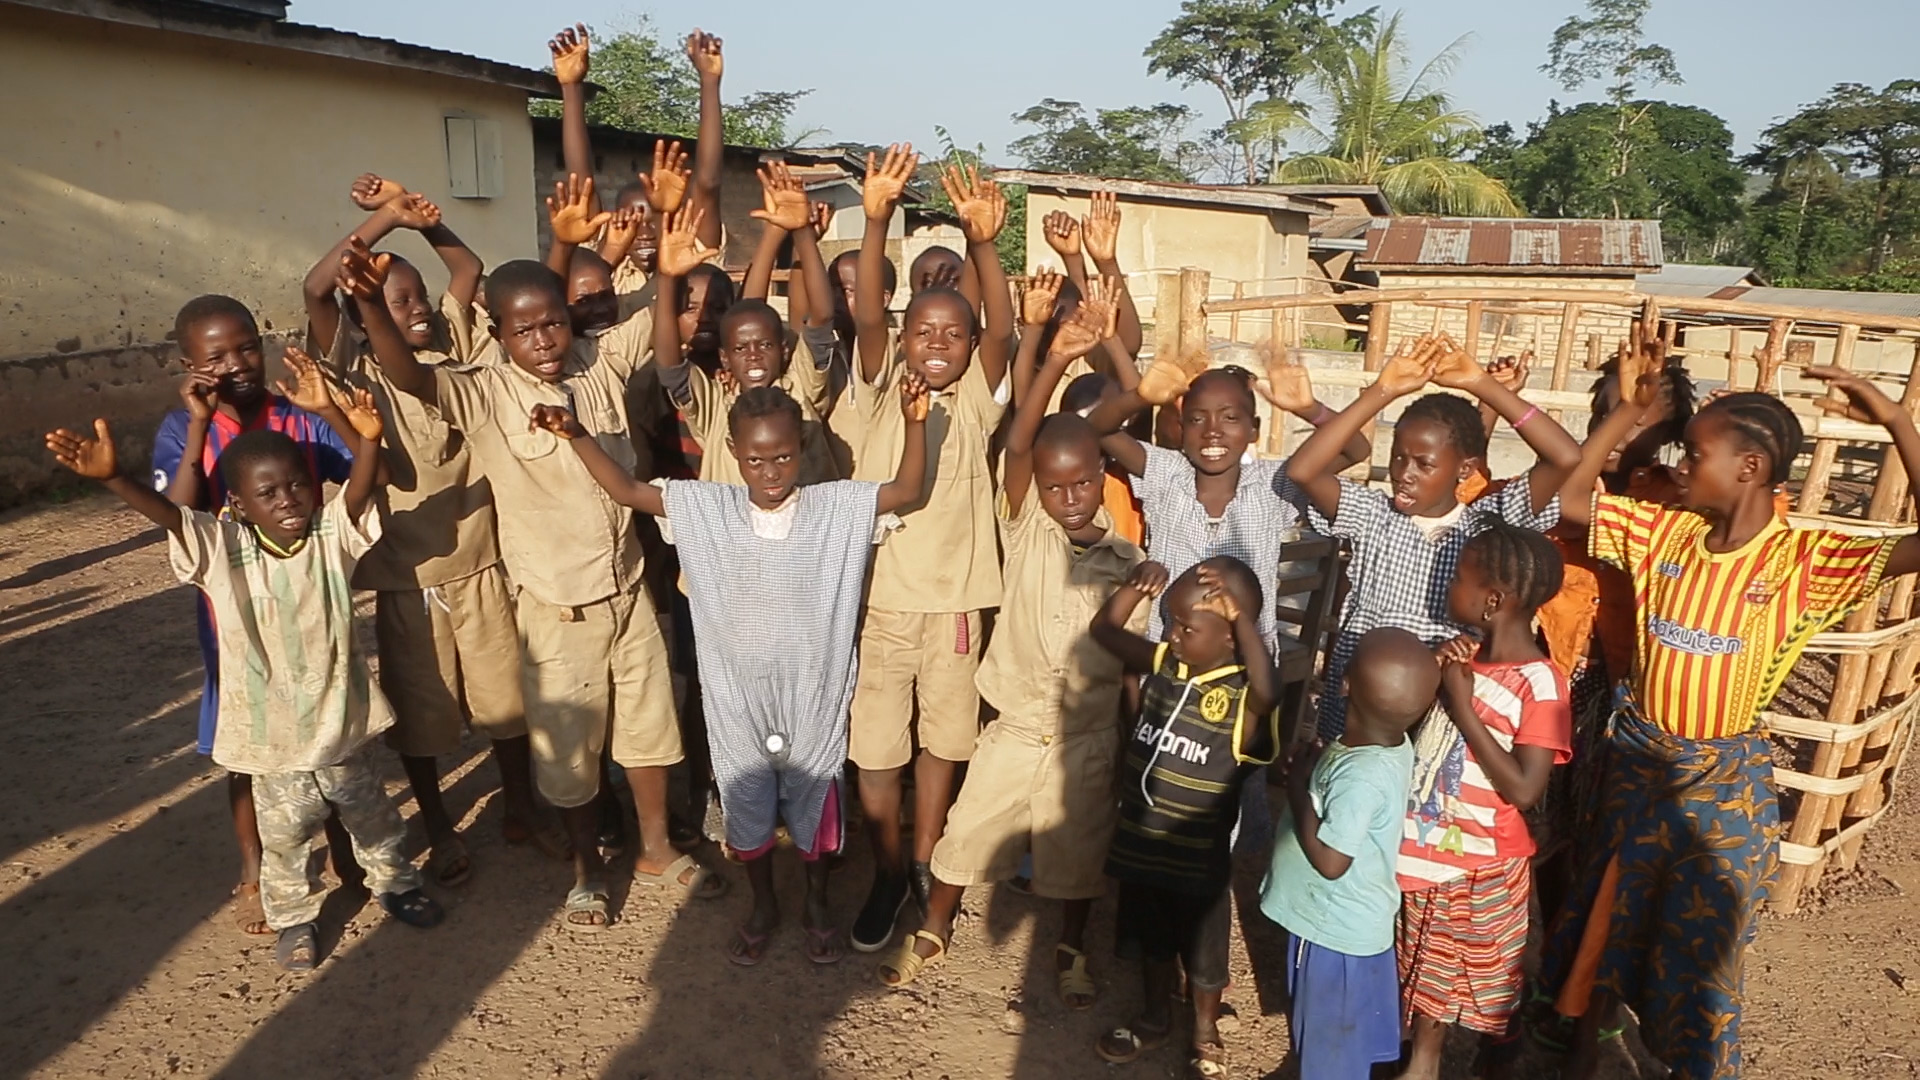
762,401
1766,422
1459,416
1682,395
1523,563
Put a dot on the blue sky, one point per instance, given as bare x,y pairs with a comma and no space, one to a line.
873,66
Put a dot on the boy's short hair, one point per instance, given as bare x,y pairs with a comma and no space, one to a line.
201,308
719,286
510,279
1086,392
944,292
889,276
752,308
761,401
253,447
1240,579
1459,416
584,258
1066,430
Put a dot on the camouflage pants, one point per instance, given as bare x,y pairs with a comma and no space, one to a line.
292,805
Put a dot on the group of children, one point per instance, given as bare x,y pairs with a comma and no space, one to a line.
913,517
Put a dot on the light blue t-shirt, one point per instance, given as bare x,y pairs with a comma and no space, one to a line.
1360,793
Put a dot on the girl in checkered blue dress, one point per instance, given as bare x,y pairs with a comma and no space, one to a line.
1406,540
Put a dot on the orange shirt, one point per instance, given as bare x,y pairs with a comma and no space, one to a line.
1715,634
1124,509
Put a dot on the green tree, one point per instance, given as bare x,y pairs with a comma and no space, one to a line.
1256,53
1803,225
1396,129
1610,43
1012,242
1878,132
648,85
1141,143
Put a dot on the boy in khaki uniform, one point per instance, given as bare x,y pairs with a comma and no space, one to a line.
443,616
920,642
1041,772
592,657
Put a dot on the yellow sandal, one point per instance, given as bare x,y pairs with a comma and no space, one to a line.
1074,981
905,965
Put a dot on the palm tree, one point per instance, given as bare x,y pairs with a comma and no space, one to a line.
1396,131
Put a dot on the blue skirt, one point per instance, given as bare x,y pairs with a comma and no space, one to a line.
1346,1010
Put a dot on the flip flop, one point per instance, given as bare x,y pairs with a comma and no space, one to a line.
414,908
1074,980
588,899
706,885
1209,1062
906,965
824,946
249,917
748,949
1125,1045
449,862
298,948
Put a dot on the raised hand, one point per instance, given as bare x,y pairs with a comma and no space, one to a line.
1411,368
309,389
200,393
704,50
416,212
887,181
1084,329
362,274
371,192
944,276
1100,229
784,198
915,399
570,209
623,230
357,405
977,202
1149,578
1164,380
1288,387
680,247
1062,232
555,419
666,184
1865,401
1215,595
569,49
1454,367
90,457
1511,371
822,219
1042,295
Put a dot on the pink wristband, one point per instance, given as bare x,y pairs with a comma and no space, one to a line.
1322,416
1528,415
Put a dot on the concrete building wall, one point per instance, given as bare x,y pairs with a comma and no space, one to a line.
144,168
1235,244
1509,334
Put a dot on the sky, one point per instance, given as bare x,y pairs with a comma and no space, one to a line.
891,72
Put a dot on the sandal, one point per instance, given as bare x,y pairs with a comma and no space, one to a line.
1209,1062
705,884
449,862
1077,989
589,900
905,965
1124,1045
248,914
298,948
414,908
824,946
748,949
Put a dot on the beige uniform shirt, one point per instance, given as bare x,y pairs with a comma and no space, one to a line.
944,557
294,691
563,538
437,510
1043,666
707,406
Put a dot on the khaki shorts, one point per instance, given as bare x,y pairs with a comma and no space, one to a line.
450,656
1050,794
907,656
588,671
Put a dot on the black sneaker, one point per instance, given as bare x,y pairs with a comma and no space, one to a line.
873,927
920,876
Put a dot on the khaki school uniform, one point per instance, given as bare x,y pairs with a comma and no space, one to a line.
1042,772
932,578
443,616
705,407
592,656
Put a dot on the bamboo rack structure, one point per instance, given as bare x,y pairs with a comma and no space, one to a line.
1836,771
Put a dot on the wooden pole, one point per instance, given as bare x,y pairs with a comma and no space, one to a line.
1813,493
1563,347
1773,355
1596,356
1476,310
1193,319
1233,321
1379,329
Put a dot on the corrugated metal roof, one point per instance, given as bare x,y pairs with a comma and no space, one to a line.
1341,226
1904,305
1161,191
1370,194
1698,274
1518,245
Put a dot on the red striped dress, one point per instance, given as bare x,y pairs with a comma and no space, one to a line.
1465,853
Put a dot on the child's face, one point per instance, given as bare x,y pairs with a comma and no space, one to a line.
591,305
536,332
1719,465
1426,468
935,266
1201,640
407,301
753,351
768,450
844,272
1217,425
1071,481
646,243
1471,599
1168,433
228,347
278,496
937,339
699,324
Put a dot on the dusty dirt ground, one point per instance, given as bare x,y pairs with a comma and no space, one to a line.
120,959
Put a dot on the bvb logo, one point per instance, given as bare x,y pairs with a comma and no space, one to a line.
1214,705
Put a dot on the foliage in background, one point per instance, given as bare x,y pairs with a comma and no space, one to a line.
1610,44
1012,242
1147,143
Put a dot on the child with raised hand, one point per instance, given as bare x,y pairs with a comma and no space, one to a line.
1331,881
1041,772
1096,236
1207,723
574,221
1483,760
225,395
593,661
772,566
1406,542
276,572
1728,594
933,578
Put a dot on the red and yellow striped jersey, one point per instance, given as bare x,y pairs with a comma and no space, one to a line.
1716,634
